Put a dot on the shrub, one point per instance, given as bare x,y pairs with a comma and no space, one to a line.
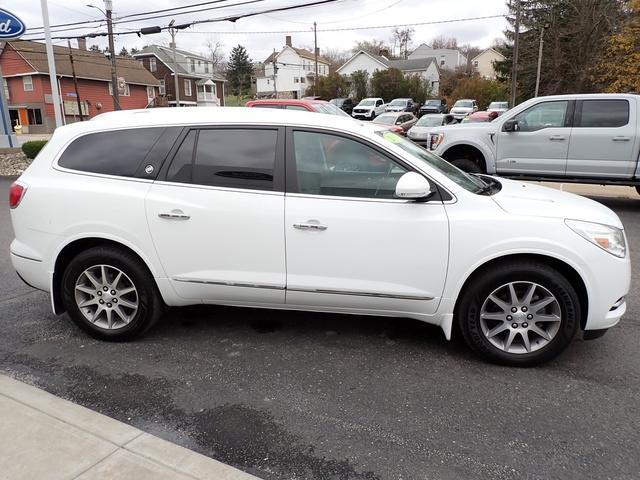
32,148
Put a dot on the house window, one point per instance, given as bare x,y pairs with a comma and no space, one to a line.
199,63
27,83
151,93
35,116
187,88
126,92
192,65
152,64
162,89
302,80
475,63
206,67
296,80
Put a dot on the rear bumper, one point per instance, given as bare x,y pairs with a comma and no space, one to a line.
31,271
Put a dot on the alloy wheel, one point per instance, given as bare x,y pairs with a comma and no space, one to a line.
520,317
106,296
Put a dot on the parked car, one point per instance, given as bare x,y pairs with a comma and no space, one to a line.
345,104
319,106
587,138
420,133
402,105
498,107
463,107
125,214
369,108
398,122
433,106
478,117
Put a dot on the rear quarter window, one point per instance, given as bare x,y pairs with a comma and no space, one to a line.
137,152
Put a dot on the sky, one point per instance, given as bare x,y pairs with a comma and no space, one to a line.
335,22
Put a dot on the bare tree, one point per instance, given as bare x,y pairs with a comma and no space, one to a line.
444,42
375,47
403,37
215,52
336,58
470,52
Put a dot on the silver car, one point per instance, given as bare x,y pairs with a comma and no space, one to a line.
498,107
421,131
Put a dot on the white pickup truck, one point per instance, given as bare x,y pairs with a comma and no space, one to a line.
587,138
369,108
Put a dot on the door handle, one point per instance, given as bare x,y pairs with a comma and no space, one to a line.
310,226
621,139
557,137
175,215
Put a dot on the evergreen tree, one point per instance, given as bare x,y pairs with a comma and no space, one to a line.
575,36
239,71
124,52
360,84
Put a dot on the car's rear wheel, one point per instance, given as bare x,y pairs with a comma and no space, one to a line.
110,294
520,314
467,165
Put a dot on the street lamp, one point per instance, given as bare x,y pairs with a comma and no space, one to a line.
114,75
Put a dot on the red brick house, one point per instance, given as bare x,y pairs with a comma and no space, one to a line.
198,84
26,73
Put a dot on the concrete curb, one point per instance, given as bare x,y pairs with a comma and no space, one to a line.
45,436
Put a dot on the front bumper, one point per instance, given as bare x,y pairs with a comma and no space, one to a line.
367,114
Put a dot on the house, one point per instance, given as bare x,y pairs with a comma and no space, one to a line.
449,58
294,72
426,68
198,84
28,89
483,63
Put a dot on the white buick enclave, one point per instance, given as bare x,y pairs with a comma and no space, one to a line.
122,215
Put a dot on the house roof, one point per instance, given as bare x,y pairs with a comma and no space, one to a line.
301,52
88,64
165,55
485,51
404,65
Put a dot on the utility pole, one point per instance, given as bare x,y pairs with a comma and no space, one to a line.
55,93
514,66
315,55
75,81
176,83
112,53
275,73
540,58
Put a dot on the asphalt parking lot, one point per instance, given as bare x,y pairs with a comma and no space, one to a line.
287,395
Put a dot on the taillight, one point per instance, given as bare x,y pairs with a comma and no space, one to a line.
16,193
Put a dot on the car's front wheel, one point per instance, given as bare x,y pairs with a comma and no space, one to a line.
520,314
110,294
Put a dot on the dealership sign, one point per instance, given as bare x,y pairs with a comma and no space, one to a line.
11,27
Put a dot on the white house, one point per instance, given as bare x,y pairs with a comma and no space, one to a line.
483,63
295,72
426,68
446,57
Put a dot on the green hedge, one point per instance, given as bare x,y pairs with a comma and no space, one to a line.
31,149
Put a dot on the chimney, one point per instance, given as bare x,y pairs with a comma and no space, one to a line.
82,43
287,40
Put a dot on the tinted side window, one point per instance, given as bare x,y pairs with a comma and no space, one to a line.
334,165
238,158
604,113
182,165
118,152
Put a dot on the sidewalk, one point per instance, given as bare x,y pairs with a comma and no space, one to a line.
611,191
45,437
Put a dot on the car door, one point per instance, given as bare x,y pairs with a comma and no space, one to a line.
602,139
350,243
541,143
216,215
379,107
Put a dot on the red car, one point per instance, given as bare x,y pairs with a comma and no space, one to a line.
319,106
483,116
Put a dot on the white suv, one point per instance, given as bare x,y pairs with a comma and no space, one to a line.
136,210
369,108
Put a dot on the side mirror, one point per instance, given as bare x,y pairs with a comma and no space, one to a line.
511,126
413,186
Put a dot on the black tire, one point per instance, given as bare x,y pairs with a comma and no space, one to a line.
472,299
150,304
467,165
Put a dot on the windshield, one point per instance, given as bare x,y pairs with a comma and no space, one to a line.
466,181
398,102
428,121
385,119
498,105
463,104
331,109
367,103
433,103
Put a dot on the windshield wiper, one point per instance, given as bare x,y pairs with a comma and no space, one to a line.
486,188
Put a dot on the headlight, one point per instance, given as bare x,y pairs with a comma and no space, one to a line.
606,237
436,139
